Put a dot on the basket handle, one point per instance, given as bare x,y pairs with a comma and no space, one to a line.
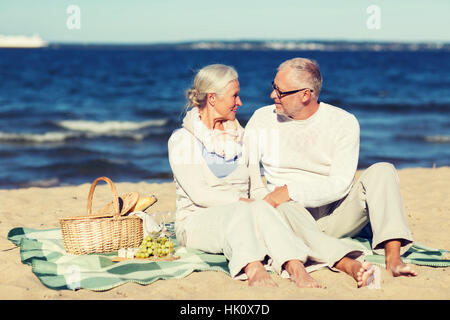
114,191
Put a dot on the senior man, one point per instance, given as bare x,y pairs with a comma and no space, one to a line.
309,152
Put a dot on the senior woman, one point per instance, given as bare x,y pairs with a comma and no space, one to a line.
214,213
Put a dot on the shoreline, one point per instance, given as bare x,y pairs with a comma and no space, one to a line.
46,183
424,192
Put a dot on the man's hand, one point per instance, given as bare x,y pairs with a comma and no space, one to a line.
278,196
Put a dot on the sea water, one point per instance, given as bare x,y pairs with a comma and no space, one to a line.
69,114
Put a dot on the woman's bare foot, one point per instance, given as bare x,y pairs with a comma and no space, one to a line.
361,272
299,275
394,263
258,276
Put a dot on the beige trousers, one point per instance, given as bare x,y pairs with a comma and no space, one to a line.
245,233
374,198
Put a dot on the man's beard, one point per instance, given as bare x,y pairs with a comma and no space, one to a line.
281,115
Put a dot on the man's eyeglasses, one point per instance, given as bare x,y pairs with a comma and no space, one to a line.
282,94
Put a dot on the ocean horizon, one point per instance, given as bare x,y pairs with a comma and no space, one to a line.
270,44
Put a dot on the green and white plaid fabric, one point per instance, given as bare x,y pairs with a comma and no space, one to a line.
58,270
417,254
44,251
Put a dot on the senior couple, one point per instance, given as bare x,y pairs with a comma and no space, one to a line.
292,223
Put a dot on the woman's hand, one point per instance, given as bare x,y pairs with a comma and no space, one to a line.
246,200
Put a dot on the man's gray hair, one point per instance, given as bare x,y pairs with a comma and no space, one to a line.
305,72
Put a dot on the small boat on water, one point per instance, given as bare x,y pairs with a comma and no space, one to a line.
34,41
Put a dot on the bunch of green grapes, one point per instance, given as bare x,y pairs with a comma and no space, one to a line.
157,247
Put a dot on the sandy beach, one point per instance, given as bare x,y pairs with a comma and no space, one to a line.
425,193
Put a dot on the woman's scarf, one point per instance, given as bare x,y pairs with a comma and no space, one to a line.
226,143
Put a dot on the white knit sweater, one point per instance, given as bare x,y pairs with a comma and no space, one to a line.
316,158
197,187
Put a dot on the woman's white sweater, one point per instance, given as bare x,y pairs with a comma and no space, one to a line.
197,187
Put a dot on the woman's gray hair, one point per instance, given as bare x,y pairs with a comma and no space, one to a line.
210,79
305,72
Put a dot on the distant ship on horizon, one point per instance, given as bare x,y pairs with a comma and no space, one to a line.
35,41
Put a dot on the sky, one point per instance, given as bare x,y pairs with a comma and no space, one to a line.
167,21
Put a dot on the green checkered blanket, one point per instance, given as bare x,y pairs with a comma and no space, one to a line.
44,251
58,270
417,254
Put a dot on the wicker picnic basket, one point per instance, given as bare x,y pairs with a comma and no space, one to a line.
104,232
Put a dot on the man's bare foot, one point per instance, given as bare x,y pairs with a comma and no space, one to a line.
299,275
398,268
258,276
361,272
394,263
